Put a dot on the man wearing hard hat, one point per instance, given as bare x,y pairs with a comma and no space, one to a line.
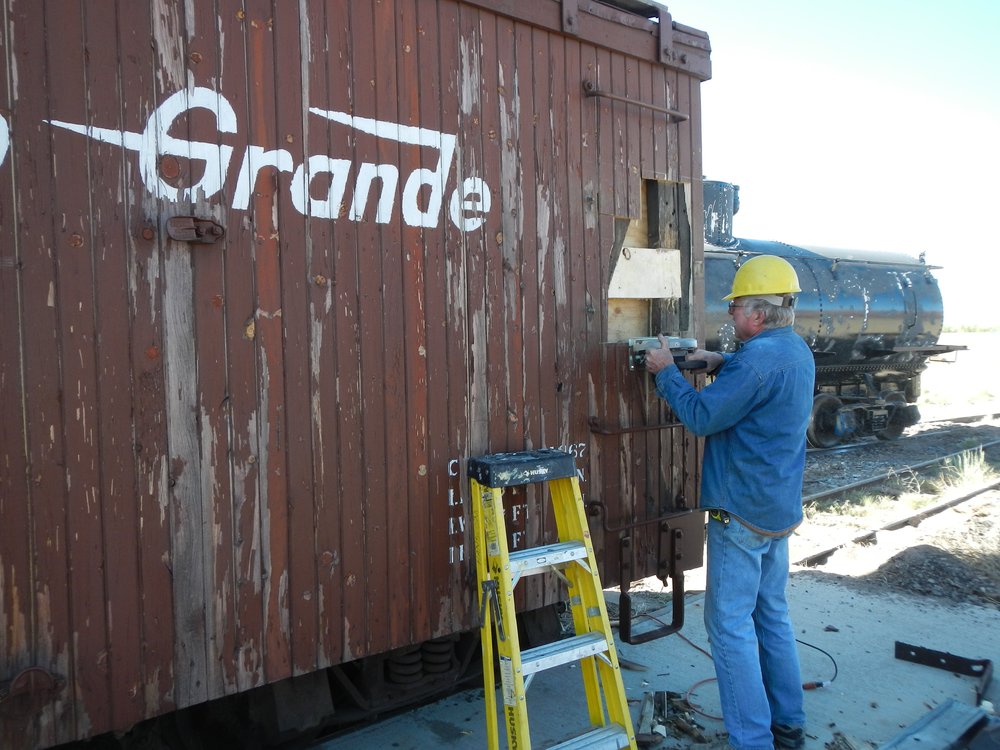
754,415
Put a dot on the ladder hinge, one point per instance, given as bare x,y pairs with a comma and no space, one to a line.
491,598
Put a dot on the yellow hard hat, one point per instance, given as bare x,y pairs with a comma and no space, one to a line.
764,276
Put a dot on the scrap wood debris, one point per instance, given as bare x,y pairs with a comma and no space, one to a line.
841,741
664,713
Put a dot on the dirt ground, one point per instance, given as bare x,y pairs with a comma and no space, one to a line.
953,556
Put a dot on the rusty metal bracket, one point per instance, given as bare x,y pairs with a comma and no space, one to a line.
666,28
590,89
29,690
570,17
981,668
672,539
194,230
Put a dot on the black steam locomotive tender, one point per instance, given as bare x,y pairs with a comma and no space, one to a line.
871,318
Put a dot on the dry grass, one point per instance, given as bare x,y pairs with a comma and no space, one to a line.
966,471
908,491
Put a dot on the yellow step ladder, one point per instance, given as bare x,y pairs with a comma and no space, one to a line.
498,570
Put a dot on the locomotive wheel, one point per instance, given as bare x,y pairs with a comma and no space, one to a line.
822,430
895,401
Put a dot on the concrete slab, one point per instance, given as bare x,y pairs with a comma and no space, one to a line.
873,698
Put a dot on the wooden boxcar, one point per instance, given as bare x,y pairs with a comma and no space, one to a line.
269,273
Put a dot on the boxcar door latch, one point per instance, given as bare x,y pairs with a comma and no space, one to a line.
194,230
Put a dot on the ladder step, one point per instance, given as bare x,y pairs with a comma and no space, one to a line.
538,559
611,737
553,654
571,559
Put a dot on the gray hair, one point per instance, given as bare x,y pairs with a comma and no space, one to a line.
775,316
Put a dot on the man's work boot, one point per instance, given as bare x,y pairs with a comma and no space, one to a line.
788,738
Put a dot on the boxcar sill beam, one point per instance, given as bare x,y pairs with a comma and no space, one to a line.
591,90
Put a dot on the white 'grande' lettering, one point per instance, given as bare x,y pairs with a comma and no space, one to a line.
4,140
467,207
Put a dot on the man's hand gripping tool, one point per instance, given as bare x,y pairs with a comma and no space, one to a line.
679,348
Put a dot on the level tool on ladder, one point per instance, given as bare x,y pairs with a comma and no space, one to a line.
572,558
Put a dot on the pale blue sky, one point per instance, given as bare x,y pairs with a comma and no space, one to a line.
862,124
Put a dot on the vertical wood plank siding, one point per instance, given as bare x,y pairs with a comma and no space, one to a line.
223,464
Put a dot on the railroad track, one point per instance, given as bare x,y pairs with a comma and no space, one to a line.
830,469
873,465
891,474
928,426
965,419
870,536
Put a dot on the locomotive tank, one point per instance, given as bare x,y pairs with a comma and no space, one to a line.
871,318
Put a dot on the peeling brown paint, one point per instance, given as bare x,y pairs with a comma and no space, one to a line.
414,270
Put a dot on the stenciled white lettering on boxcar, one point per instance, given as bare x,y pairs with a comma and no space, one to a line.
468,204
514,513
4,140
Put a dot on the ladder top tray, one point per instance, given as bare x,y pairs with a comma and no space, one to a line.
524,467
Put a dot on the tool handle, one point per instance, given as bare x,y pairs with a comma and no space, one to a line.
690,364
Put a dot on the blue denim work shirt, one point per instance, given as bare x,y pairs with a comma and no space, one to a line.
754,415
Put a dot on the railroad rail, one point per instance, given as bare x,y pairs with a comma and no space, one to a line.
912,468
868,536
964,419
967,418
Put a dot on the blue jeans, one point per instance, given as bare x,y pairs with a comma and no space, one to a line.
753,644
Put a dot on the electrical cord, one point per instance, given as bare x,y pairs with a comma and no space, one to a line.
693,645
694,706
813,685
819,683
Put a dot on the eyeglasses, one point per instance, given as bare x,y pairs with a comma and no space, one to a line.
733,306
